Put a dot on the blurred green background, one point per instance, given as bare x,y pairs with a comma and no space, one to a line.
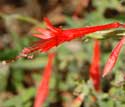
70,78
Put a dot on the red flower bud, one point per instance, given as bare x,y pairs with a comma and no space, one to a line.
94,68
113,57
43,88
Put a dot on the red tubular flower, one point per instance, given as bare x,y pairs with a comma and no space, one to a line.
53,36
43,88
94,68
113,57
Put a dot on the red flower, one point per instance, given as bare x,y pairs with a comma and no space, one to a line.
43,88
53,36
113,57
94,68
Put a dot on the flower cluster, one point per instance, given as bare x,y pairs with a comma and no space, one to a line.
53,36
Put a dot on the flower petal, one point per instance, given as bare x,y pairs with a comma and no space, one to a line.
49,25
43,33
